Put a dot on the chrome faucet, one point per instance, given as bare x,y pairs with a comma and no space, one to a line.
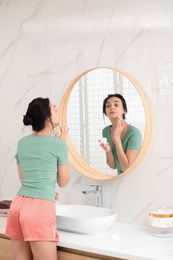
98,192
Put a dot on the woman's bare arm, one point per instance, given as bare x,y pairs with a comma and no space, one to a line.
63,176
19,172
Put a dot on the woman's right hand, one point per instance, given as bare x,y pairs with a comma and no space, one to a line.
117,131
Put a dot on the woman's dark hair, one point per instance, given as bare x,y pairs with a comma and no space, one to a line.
118,96
37,113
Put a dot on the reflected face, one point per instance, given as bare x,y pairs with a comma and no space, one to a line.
114,108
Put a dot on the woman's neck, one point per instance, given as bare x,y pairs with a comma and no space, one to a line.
44,132
125,127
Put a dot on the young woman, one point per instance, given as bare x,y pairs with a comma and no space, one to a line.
42,160
123,140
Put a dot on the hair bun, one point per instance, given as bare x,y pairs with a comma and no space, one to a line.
27,120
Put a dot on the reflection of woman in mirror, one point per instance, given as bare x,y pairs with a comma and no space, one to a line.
123,140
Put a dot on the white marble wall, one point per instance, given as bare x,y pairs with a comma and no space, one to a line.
45,44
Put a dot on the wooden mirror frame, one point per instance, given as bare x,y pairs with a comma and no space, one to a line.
74,157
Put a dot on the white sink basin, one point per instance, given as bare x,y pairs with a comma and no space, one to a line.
84,219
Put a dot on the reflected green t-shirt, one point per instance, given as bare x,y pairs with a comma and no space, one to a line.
131,140
39,157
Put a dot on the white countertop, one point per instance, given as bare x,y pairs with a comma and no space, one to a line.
126,241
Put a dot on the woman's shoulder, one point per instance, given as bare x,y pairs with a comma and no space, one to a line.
58,140
42,139
106,129
22,139
135,130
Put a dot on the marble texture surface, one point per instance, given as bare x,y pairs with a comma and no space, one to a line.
46,44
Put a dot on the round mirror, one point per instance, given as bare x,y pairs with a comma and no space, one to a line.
81,109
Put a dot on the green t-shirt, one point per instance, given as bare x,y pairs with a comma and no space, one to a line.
131,140
39,157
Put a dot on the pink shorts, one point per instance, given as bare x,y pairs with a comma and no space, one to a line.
31,219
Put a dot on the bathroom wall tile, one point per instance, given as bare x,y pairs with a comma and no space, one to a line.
45,45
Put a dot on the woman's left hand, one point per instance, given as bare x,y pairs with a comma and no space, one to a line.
62,132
